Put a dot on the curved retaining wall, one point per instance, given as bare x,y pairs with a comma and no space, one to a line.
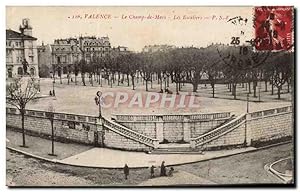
259,127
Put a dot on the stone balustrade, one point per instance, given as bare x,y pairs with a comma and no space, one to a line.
169,118
202,139
129,133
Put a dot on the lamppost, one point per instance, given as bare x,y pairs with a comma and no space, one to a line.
98,102
39,85
259,87
50,115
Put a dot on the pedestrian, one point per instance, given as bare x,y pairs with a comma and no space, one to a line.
171,171
126,171
163,169
50,93
152,171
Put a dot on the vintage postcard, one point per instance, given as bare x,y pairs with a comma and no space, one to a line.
150,96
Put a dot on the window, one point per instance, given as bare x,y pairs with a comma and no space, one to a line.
30,51
31,59
32,71
9,71
20,71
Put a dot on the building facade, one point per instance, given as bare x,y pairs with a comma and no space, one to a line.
21,52
64,53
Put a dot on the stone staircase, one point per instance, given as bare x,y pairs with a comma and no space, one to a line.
218,132
128,133
175,148
194,147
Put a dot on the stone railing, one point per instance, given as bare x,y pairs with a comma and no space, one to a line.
59,116
269,112
218,132
122,130
170,118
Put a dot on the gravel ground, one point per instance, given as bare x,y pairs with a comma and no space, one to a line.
80,100
243,168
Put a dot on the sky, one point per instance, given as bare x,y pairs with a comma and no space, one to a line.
136,27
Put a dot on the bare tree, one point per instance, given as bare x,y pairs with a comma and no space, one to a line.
19,93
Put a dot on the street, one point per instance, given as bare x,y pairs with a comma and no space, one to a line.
237,169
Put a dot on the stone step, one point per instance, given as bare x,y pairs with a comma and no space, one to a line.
176,151
173,145
175,148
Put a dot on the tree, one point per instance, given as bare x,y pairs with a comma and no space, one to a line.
19,93
282,70
76,71
59,71
82,64
147,68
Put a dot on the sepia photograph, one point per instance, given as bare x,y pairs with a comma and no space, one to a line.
150,96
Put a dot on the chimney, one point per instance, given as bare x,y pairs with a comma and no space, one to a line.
25,27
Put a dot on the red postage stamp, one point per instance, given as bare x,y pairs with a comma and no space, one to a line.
273,27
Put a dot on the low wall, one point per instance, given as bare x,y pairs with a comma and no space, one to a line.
272,124
71,128
172,128
267,126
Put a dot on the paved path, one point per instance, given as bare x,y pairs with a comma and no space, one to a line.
109,158
81,155
178,178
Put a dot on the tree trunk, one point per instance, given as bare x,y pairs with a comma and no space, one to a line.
195,87
288,87
127,80
177,92
132,79
83,78
75,79
23,127
60,79
213,89
249,87
278,92
146,85
118,78
111,80
151,81
266,86
230,90
168,81
254,89
272,88
234,90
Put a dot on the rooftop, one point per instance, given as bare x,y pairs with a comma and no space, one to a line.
10,34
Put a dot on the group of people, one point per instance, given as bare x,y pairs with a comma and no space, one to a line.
166,91
163,171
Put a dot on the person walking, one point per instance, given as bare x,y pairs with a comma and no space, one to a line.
163,169
126,171
152,171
